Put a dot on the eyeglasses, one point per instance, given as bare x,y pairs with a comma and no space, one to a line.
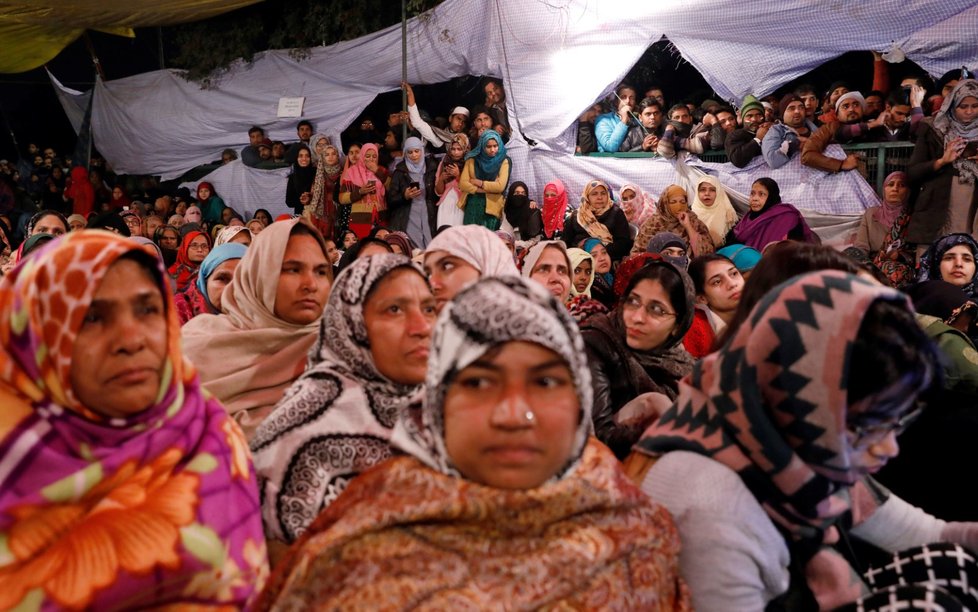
863,437
200,247
654,310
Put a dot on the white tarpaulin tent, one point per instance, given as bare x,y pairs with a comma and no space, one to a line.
555,57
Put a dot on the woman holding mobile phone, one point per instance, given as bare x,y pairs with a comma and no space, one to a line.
943,168
363,187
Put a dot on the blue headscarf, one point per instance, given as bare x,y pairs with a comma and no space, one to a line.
487,168
415,170
217,256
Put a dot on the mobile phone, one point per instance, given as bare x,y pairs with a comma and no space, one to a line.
371,183
906,94
970,149
414,185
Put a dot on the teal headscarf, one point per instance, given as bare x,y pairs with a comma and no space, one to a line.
487,168
217,256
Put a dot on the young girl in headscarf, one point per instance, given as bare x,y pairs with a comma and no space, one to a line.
943,176
581,305
499,498
298,190
211,204
125,485
713,208
483,181
363,188
446,182
674,215
597,217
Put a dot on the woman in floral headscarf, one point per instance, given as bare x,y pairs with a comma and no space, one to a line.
636,204
674,215
124,486
470,517
776,435
942,171
321,210
483,181
597,217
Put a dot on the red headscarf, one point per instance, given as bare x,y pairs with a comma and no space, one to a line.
184,271
81,192
554,208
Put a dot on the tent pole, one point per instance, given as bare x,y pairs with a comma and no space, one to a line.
91,51
404,78
159,40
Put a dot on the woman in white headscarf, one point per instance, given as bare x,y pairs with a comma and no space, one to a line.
713,207
461,255
412,200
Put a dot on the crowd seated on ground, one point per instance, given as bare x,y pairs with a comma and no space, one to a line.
434,383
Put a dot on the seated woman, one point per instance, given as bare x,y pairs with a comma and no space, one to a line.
673,215
522,213
211,205
672,248
501,500
742,256
770,219
193,250
597,217
335,421
581,305
952,259
877,222
460,255
714,209
483,181
718,285
233,234
635,352
602,289
548,264
44,222
264,216
250,353
554,209
768,483
636,204
124,485
401,244
363,191
216,272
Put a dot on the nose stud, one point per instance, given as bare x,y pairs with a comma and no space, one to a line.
529,416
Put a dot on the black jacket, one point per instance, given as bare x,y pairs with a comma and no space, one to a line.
399,208
614,219
741,147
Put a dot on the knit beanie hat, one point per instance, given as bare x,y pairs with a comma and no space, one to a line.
749,103
785,101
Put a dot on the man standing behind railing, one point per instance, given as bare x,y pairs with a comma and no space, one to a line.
904,107
847,128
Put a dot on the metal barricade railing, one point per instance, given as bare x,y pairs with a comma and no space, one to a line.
878,159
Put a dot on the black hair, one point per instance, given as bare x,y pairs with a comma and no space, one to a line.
149,263
805,88
647,102
697,270
890,347
773,191
304,122
256,128
724,109
625,85
353,253
676,107
667,276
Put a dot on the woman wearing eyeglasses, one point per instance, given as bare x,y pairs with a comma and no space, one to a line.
193,250
765,459
635,352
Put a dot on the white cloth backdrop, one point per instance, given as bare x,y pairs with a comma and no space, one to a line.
555,57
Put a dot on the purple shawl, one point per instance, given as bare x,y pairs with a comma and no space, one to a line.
773,224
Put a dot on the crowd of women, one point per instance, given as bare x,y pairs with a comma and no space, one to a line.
625,404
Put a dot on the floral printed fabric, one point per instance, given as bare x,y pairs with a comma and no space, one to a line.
404,535
156,509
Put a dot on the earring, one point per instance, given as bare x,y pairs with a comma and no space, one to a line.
529,416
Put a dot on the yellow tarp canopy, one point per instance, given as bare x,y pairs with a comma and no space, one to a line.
32,32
